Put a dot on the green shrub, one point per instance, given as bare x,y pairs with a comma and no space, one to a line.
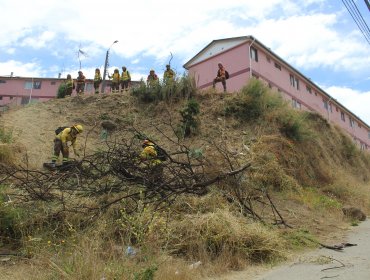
6,136
189,123
62,90
294,125
180,88
10,218
253,102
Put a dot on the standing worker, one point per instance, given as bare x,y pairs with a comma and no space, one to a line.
168,75
97,80
221,76
80,83
152,79
115,80
125,79
69,85
67,134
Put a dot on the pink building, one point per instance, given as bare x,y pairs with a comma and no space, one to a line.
245,57
24,90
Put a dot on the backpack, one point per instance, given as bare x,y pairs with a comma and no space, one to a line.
60,129
227,75
161,154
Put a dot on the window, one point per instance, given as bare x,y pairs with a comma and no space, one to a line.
325,104
296,104
368,134
2,82
342,117
11,97
36,85
277,66
254,54
309,90
52,83
1,98
351,122
268,59
294,81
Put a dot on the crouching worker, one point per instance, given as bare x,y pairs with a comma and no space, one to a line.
149,156
68,134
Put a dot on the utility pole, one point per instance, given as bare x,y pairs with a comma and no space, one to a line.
106,66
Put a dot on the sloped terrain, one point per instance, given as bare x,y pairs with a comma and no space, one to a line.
309,179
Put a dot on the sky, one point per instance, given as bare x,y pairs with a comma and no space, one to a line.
42,38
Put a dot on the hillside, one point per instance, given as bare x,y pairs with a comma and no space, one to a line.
299,173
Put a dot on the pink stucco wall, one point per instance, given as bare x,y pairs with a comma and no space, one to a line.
236,62
13,91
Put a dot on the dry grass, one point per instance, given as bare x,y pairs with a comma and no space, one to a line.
310,180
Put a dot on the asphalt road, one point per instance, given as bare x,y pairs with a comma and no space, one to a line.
350,263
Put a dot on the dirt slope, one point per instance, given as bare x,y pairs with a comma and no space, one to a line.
33,125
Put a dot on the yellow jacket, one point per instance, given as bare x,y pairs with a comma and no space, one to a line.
66,136
150,154
115,77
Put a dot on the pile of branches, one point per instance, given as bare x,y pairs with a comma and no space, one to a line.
116,171
116,174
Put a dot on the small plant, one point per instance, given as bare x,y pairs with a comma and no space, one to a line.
189,122
104,116
146,274
6,136
10,217
294,126
62,90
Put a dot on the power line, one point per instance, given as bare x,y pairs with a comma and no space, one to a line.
367,4
357,17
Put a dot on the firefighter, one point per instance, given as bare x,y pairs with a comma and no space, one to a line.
152,79
115,80
168,75
81,79
125,79
68,134
97,80
149,157
69,85
221,76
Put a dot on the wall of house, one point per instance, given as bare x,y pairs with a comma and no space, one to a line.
277,75
17,90
235,61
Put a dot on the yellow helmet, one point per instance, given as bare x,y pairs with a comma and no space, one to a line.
79,128
147,143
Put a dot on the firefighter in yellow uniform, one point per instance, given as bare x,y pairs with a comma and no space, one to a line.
125,79
115,80
168,75
69,85
97,80
149,157
68,134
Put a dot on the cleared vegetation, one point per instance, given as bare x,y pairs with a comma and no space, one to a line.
248,181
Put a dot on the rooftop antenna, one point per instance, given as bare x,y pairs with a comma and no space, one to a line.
81,52
169,62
